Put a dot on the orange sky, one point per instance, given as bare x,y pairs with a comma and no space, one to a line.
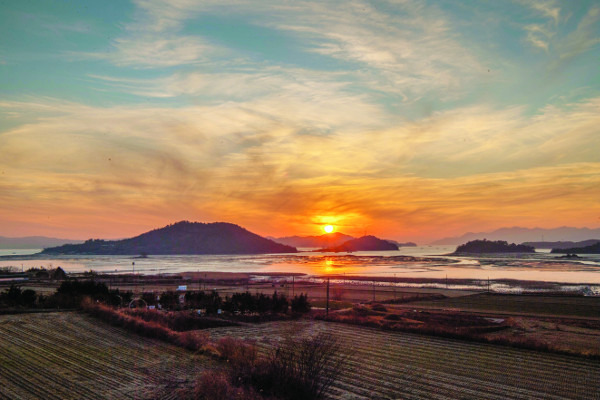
414,121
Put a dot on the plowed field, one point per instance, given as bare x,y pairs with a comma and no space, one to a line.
73,356
391,365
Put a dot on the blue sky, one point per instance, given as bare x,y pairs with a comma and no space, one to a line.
413,119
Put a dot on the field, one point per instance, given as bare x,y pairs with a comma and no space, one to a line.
72,356
586,307
388,365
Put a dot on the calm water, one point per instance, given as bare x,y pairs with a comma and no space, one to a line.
541,266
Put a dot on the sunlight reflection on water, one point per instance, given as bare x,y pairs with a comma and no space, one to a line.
416,262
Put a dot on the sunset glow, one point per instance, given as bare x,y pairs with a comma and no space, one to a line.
410,120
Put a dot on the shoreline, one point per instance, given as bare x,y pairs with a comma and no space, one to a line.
415,269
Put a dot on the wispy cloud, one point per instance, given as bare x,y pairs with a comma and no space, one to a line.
539,36
413,51
148,51
547,8
584,38
267,163
380,114
408,54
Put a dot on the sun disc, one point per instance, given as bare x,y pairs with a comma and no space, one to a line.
328,228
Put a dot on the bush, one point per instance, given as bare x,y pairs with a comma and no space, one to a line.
216,385
14,296
300,304
241,355
301,369
180,321
378,307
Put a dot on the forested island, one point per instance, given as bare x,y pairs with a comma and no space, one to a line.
325,240
488,246
592,249
562,244
365,243
180,238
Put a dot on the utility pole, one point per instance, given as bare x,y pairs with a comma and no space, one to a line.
293,288
373,290
327,306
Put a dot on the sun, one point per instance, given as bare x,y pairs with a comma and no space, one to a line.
328,228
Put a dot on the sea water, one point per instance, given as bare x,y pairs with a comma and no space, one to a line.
422,262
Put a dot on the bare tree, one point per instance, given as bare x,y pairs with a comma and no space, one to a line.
306,368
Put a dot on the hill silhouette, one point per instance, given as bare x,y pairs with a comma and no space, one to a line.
488,246
181,238
365,243
520,235
326,240
561,245
592,249
33,242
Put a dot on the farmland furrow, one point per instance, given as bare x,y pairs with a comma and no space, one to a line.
459,371
85,353
435,380
84,367
72,356
389,363
47,360
30,378
523,366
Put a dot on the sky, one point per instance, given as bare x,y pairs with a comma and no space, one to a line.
405,119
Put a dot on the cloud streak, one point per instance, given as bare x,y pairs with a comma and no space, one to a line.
394,118
208,161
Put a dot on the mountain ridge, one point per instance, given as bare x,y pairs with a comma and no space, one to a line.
33,242
518,234
364,243
183,237
325,240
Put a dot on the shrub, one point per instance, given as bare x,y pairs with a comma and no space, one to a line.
300,304
216,385
301,369
239,353
378,307
192,341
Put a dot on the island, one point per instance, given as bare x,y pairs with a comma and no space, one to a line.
365,243
180,238
401,244
325,240
488,246
592,249
561,244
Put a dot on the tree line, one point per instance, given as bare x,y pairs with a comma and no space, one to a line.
71,293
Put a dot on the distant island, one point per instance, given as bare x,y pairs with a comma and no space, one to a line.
561,244
488,246
365,243
326,240
180,238
521,235
592,249
33,242
400,244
